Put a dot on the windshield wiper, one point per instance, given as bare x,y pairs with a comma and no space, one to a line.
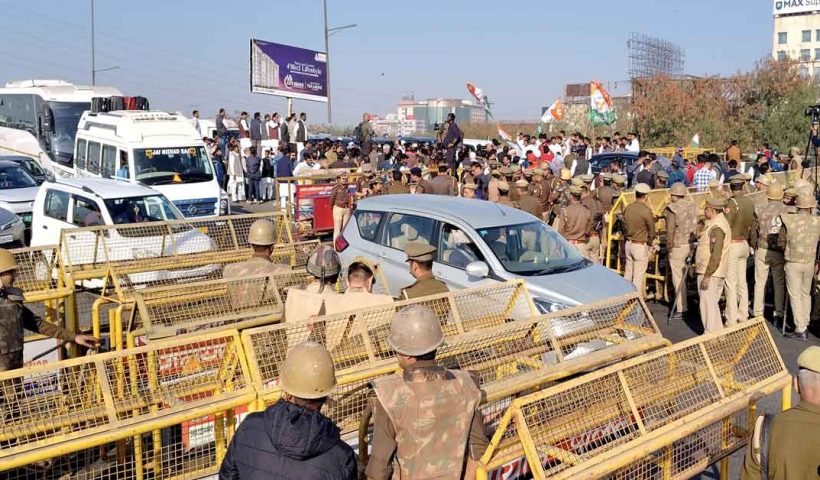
562,269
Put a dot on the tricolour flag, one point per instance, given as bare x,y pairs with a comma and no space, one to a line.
480,97
555,112
695,143
601,109
504,135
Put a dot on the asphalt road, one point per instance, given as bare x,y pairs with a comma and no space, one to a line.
676,332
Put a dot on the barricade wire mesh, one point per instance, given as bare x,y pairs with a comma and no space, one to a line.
39,279
569,426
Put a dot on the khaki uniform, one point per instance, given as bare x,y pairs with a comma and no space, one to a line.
711,259
427,418
575,219
793,448
397,188
800,235
640,232
442,185
546,190
529,204
248,295
423,287
505,200
492,190
768,256
593,250
352,299
681,224
340,199
424,186
559,199
740,215
302,304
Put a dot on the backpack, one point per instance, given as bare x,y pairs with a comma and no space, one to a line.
357,134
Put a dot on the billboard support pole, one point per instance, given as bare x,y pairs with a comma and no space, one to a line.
327,67
290,106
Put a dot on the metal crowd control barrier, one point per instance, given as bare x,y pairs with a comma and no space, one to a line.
357,341
666,414
159,411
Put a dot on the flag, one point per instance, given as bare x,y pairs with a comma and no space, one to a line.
555,112
695,143
480,98
601,109
504,135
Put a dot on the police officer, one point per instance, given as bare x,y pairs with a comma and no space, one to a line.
594,206
526,202
559,198
503,189
492,185
15,317
420,259
768,254
711,262
575,221
468,190
396,186
681,223
342,201
800,235
261,237
787,443
445,437
639,223
303,303
291,438
739,213
661,179
606,195
422,185
443,184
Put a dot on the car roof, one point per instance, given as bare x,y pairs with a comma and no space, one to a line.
107,188
16,158
476,213
614,154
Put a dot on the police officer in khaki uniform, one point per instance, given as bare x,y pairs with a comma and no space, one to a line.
396,186
15,317
303,303
342,201
740,212
443,439
468,190
681,225
787,443
639,223
559,198
768,254
711,261
261,237
526,202
443,184
575,221
503,189
420,258
492,185
800,236
589,200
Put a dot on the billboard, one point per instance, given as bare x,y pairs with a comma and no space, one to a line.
287,71
783,7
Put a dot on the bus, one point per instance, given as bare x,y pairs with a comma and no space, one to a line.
38,118
158,149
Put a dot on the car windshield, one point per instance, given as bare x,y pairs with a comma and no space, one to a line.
531,249
66,117
164,166
15,177
151,208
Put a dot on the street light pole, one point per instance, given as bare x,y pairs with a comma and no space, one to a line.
93,57
328,33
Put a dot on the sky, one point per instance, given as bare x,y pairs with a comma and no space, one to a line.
186,55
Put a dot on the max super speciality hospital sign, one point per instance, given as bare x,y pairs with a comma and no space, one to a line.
293,72
783,7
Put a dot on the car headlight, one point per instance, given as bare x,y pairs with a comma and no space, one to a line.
546,306
223,206
17,221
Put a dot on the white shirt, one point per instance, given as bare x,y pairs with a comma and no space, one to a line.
634,146
555,149
304,167
195,121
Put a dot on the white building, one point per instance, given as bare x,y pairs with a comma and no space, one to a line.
796,34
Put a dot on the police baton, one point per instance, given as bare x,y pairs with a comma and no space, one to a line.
677,288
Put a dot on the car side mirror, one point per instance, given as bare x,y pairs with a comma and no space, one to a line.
478,269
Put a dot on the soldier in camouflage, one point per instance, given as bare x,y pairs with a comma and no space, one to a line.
303,303
261,237
559,198
590,201
768,255
681,224
426,419
800,235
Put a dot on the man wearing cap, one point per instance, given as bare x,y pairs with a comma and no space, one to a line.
768,254
492,185
575,221
291,438
589,200
681,224
420,258
422,185
739,213
342,201
661,179
639,223
426,419
443,184
396,186
790,199
468,190
711,262
504,195
559,198
800,235
785,445
526,201
261,238
303,303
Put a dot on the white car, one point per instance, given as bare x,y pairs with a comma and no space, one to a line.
17,190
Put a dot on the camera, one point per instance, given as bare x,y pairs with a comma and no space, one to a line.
439,126
814,113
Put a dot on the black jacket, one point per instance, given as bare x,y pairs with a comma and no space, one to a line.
288,442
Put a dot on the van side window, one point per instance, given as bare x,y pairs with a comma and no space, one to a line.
402,229
456,249
85,213
56,205
109,161
93,161
79,158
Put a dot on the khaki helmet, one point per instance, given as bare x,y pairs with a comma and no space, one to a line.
414,331
678,189
323,262
775,192
308,371
802,185
7,261
262,232
806,201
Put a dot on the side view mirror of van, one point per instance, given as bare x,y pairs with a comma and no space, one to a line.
48,120
478,270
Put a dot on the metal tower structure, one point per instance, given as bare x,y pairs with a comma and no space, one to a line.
649,56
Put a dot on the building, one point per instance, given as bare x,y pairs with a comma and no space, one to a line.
392,126
426,113
796,34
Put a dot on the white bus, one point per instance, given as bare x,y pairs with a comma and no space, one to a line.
158,149
38,118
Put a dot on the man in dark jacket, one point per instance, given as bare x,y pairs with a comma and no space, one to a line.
291,438
256,131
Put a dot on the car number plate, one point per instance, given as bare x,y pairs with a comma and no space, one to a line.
6,238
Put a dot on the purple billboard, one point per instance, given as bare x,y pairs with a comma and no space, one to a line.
288,71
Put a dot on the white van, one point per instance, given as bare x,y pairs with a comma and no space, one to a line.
158,149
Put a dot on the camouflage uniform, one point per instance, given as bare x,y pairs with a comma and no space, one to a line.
427,418
800,236
243,296
559,199
593,250
768,256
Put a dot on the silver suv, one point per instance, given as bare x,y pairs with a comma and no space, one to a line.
478,242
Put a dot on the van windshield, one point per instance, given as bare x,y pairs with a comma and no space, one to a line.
151,208
531,249
12,176
165,166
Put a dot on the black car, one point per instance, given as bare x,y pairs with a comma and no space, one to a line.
31,166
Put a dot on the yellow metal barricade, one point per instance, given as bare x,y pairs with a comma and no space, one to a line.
688,153
666,414
159,411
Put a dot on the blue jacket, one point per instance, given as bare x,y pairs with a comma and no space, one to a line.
676,176
256,130
283,166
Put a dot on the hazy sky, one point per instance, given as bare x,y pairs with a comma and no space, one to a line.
184,54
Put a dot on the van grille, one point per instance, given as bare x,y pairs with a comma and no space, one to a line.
202,207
